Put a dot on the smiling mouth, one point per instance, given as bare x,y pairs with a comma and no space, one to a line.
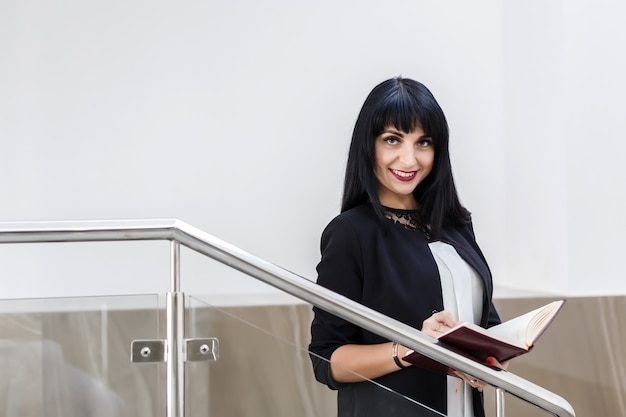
403,175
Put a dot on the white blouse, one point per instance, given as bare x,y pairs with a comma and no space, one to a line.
462,291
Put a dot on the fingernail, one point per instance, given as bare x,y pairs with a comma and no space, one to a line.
491,359
452,370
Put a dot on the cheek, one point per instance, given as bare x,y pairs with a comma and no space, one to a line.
378,171
427,160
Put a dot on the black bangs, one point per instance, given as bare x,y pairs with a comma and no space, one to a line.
408,107
398,110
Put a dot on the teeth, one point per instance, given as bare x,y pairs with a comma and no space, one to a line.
403,174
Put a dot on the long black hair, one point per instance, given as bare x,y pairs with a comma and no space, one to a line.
404,104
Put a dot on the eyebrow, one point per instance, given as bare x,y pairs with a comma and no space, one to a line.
399,132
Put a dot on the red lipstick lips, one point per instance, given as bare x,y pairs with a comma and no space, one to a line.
403,175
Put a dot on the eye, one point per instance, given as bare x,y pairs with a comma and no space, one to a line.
392,140
425,142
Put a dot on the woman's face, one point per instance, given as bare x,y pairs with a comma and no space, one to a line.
403,160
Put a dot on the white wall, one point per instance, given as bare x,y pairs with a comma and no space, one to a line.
564,130
236,116
536,254
596,145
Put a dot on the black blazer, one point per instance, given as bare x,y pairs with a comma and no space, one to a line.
388,268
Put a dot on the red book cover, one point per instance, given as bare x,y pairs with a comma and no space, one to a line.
504,341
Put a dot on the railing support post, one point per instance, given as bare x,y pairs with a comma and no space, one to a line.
499,402
174,358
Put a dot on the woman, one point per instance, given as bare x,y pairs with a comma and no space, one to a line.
403,245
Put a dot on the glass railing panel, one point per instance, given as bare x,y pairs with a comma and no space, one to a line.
264,367
70,357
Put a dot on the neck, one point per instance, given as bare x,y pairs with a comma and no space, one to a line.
399,204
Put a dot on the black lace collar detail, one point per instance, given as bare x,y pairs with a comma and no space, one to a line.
410,219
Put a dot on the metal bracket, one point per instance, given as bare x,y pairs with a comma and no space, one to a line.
206,349
146,351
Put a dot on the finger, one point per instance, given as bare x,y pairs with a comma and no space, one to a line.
445,318
438,323
432,327
477,383
473,382
494,363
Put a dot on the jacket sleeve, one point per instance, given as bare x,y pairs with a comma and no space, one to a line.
340,270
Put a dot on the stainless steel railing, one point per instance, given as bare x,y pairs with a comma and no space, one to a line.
180,233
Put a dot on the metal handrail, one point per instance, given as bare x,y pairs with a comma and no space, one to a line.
177,231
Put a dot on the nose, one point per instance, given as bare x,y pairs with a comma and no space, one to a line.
407,155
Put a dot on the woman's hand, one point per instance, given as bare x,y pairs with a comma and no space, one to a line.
438,323
443,321
478,384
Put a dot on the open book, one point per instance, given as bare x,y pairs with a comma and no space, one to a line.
504,341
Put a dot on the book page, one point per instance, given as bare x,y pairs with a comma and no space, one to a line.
515,330
524,330
542,320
